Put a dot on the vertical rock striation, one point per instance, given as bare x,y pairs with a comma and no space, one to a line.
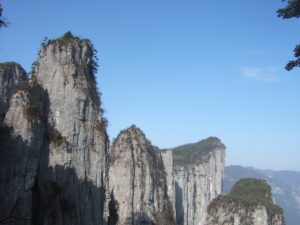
56,167
53,164
137,181
249,202
167,156
198,173
72,170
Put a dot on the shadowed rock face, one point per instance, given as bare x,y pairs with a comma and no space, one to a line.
11,76
21,142
63,70
76,136
55,166
137,180
54,144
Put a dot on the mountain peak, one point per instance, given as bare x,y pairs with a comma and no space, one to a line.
196,152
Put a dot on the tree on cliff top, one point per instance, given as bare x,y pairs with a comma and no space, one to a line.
3,23
292,10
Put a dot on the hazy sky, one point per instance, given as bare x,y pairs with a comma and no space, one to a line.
182,70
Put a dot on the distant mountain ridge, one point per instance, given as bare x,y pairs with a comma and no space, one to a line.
285,187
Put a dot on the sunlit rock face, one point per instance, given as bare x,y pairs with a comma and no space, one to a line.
57,168
73,165
254,216
198,174
11,76
53,140
137,181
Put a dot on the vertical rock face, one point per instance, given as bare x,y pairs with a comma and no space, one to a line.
11,75
21,140
198,173
167,156
70,188
249,202
55,168
137,182
53,163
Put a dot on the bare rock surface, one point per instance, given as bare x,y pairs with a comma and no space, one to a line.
198,174
57,168
11,76
21,140
138,181
54,142
73,166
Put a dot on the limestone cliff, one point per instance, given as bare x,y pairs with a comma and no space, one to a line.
167,156
73,166
249,202
198,173
137,182
57,168
21,140
54,142
11,76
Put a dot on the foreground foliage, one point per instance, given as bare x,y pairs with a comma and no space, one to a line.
292,10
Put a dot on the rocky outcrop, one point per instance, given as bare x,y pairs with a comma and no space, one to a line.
56,166
21,140
285,187
73,166
198,173
137,181
54,142
249,202
11,76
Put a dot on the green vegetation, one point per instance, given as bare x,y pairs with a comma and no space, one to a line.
3,23
29,85
55,137
292,10
196,152
5,64
69,38
30,90
250,192
8,65
34,111
64,39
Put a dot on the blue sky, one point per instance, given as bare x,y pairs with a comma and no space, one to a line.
182,70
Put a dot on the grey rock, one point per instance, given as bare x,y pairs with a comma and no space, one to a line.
11,75
241,216
53,141
21,140
198,174
167,156
73,166
137,181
